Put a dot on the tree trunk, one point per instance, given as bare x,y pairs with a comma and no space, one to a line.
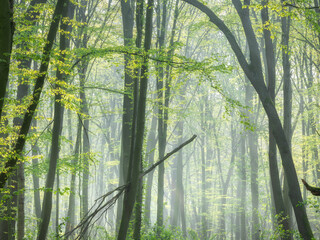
70,224
254,164
162,116
86,146
138,210
19,144
243,180
54,156
133,178
254,73
127,10
35,178
54,152
287,105
273,165
178,192
151,143
57,204
6,33
204,204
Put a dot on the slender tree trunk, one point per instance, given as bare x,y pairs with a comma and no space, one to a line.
131,191
72,201
243,179
127,10
237,217
86,146
54,155
178,193
254,159
139,196
162,118
35,178
204,204
138,210
273,165
152,141
225,183
311,116
57,203
287,105
304,134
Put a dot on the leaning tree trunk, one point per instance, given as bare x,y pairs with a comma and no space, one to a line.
6,40
254,73
20,142
273,165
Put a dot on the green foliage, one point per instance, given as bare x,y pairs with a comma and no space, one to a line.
162,233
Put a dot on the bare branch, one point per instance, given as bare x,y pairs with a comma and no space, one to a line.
99,207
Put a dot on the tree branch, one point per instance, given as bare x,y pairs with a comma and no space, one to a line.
314,190
294,6
102,207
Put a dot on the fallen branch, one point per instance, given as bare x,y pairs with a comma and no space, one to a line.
167,156
100,207
314,190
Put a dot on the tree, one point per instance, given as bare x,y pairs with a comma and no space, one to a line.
5,47
133,175
127,10
55,146
253,71
20,142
